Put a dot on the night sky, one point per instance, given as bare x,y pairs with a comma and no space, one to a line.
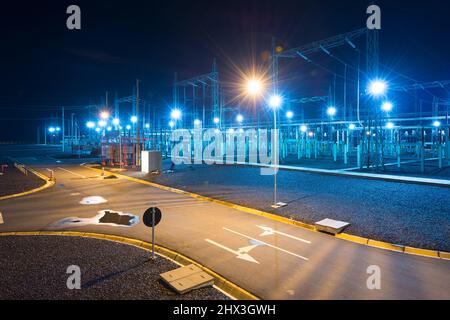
45,66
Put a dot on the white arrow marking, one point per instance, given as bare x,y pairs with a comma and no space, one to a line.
1,218
267,244
74,173
270,231
242,253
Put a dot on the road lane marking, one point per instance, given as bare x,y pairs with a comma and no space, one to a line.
75,194
270,231
241,253
267,244
74,173
1,218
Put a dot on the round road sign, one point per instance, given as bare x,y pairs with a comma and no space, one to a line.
148,217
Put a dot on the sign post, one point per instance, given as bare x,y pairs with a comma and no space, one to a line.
152,217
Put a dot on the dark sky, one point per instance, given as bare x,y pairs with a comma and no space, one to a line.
44,65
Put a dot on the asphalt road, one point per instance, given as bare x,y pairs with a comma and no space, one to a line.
406,214
291,263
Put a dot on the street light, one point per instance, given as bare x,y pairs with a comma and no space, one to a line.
289,114
171,124
275,101
387,106
390,125
147,125
303,128
128,127
377,87
331,111
116,121
90,124
216,120
104,115
240,118
197,122
58,129
176,114
352,126
133,119
437,124
254,87
51,129
102,123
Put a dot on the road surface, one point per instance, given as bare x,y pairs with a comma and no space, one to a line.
270,259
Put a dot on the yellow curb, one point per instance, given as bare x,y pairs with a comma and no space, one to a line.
385,245
49,233
444,255
422,252
352,238
347,237
47,184
223,284
5,234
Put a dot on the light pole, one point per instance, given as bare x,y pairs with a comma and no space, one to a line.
275,103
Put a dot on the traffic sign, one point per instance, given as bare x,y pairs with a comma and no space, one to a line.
148,219
152,216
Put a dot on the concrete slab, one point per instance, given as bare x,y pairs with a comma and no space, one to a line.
187,278
331,226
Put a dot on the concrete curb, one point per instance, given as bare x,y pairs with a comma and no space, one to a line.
223,284
343,236
357,175
48,184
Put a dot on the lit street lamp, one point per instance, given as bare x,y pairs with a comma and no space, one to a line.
390,125
303,128
104,115
289,115
254,87
377,87
387,106
331,111
176,114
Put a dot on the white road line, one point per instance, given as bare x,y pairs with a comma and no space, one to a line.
267,244
74,173
242,253
270,231
1,218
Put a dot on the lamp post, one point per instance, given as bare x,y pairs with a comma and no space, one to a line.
275,103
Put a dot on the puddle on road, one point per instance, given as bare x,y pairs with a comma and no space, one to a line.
110,177
93,200
116,218
105,217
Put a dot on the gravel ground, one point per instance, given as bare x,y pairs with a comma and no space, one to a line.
406,214
14,181
34,268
